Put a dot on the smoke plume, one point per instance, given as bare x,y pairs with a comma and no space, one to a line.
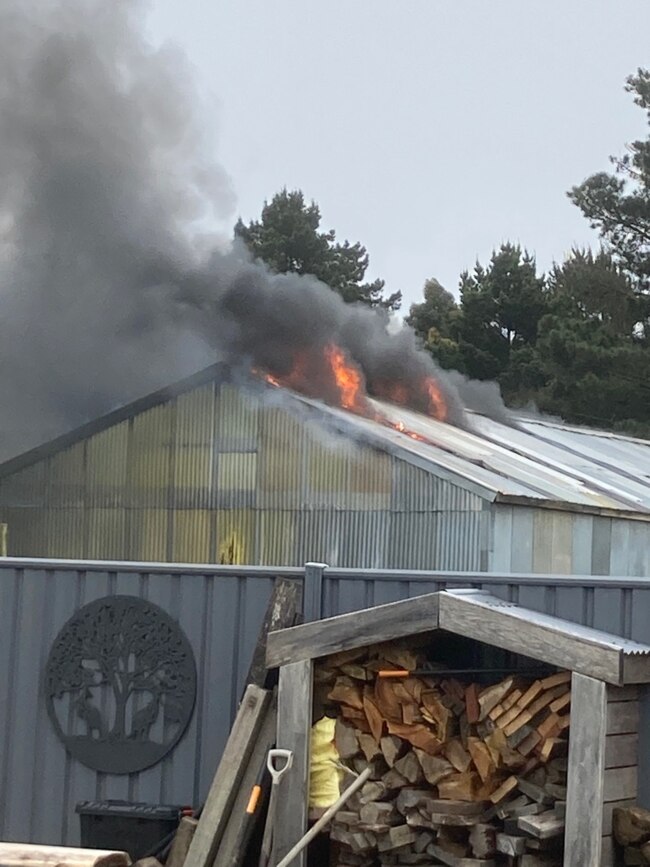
106,289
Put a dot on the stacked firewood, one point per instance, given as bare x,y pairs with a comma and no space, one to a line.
462,773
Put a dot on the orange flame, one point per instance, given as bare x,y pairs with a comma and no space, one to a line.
437,404
344,386
348,379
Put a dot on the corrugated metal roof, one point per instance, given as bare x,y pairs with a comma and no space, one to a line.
588,634
531,460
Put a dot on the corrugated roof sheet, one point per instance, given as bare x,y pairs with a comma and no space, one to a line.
532,460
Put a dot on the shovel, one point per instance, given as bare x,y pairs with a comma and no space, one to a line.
278,763
324,819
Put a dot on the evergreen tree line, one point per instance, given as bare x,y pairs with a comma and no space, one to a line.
574,342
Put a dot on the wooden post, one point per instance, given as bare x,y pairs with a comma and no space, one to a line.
282,612
182,842
294,731
644,747
312,597
586,772
233,848
226,783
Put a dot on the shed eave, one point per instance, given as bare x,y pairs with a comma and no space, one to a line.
568,506
475,614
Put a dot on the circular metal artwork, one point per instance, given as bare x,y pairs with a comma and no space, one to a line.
120,684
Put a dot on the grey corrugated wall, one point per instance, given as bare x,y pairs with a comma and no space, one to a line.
567,542
220,609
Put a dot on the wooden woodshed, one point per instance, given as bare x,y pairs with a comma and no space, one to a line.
608,679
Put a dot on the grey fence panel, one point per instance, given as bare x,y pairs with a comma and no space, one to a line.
617,605
219,610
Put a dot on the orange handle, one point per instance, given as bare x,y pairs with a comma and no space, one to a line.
253,800
393,673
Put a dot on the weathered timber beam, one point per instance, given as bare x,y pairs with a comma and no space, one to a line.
586,773
357,629
294,731
29,855
227,780
537,636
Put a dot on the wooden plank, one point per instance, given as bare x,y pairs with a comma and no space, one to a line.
623,693
28,855
621,751
182,842
583,823
232,851
358,629
294,731
538,636
620,783
313,592
227,779
544,826
608,853
608,810
643,795
456,861
282,612
622,717
636,668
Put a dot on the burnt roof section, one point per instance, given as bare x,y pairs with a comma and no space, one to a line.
532,461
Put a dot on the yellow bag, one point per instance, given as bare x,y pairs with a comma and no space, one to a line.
324,777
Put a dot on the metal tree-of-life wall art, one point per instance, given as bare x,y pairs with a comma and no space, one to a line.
120,684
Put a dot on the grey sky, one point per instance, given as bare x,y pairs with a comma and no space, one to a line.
431,131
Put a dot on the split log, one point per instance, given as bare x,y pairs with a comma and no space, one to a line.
29,855
461,773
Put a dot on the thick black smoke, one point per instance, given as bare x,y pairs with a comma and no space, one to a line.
106,290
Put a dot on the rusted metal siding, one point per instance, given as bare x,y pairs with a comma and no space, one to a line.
214,475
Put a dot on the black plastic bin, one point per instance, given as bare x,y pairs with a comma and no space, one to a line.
125,825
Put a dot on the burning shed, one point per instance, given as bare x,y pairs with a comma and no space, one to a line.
226,470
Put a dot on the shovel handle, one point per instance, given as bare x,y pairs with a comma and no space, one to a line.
278,772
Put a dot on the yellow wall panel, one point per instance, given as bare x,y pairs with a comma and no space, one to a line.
237,471
106,534
192,536
65,532
281,449
195,417
26,532
66,480
193,470
148,531
236,536
371,472
150,454
277,536
236,420
328,467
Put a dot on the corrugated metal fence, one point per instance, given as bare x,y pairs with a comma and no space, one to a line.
220,609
